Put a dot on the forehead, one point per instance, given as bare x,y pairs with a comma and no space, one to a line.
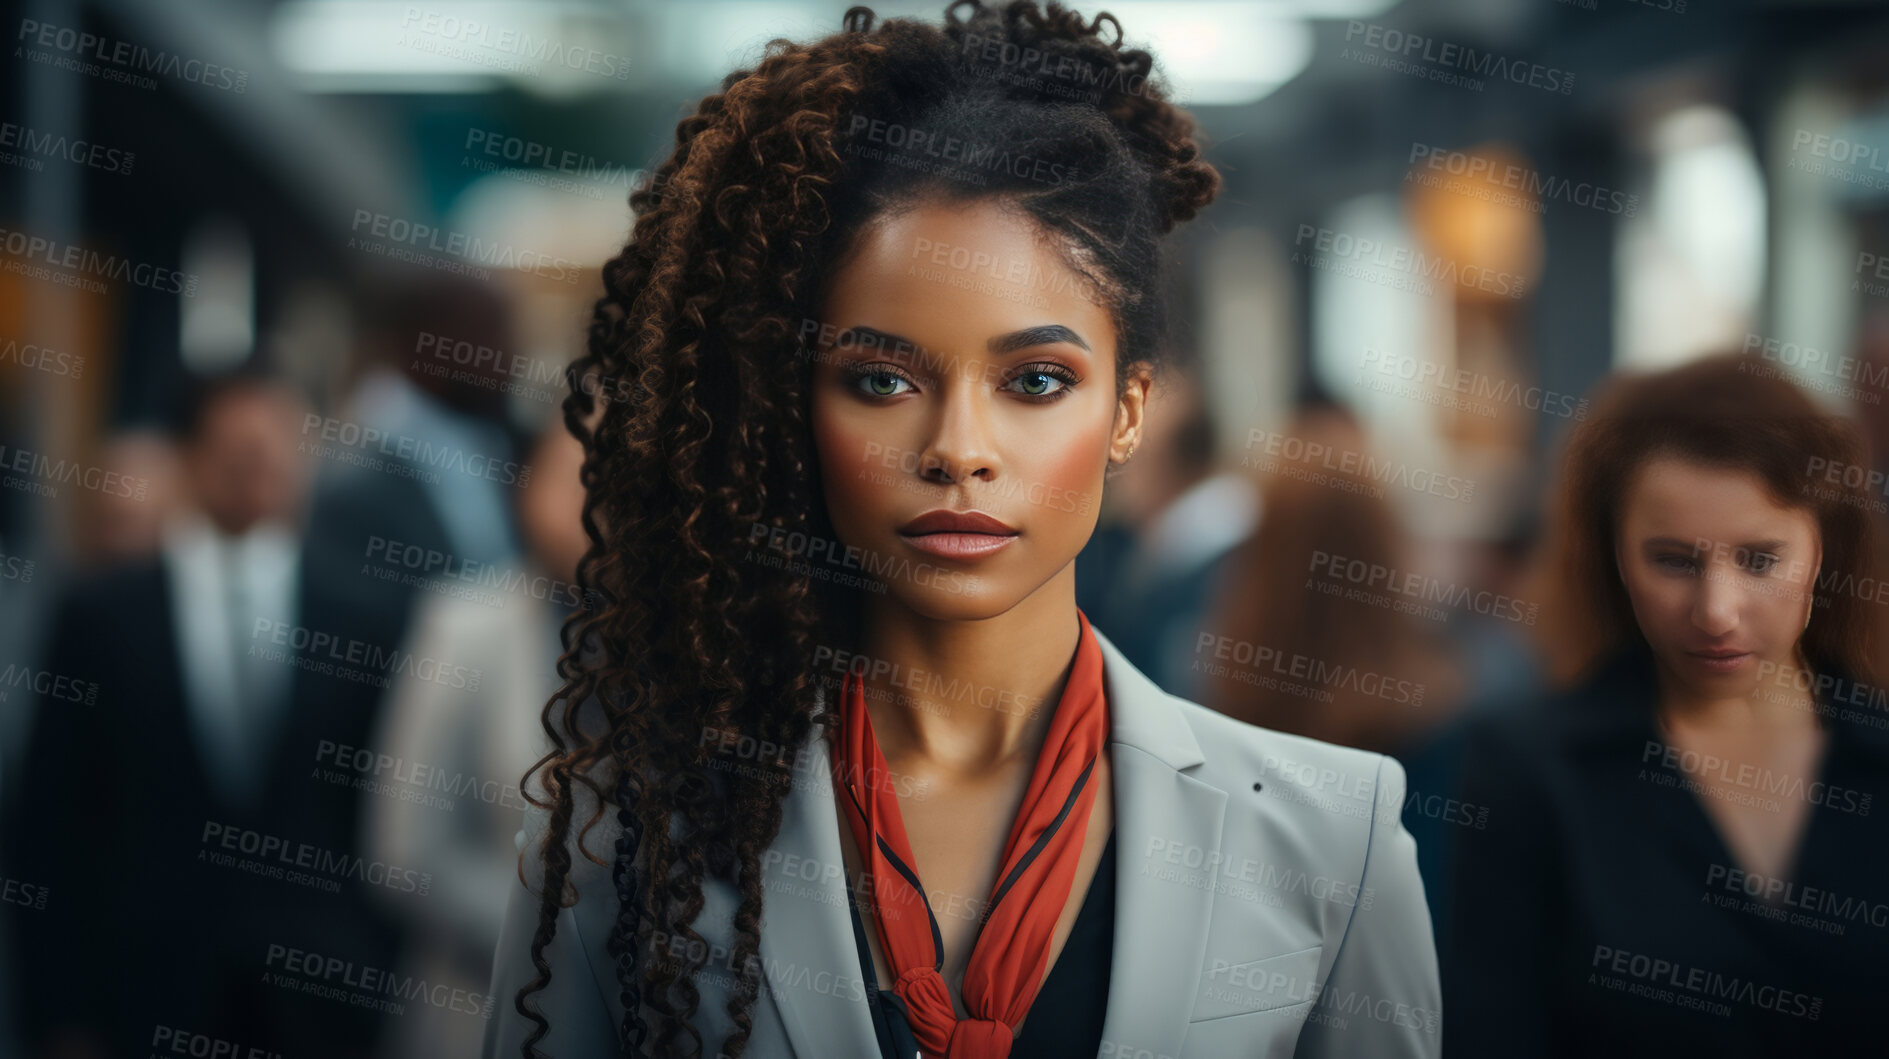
961,272
1726,503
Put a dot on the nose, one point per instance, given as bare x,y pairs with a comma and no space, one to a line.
1715,605
961,446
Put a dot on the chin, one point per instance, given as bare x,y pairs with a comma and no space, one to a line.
1702,682
954,596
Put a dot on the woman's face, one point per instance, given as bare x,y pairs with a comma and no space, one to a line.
1720,574
959,366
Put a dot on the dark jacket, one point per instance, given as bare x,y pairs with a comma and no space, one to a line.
147,922
1600,912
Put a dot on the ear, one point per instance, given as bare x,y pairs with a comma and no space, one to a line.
1129,411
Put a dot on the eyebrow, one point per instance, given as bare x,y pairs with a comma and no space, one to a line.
1028,337
1756,546
1044,335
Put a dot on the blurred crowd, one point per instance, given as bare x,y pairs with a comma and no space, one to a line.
310,649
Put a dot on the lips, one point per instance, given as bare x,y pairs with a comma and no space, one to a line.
1722,660
944,521
957,534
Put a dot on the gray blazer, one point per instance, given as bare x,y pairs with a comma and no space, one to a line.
1268,904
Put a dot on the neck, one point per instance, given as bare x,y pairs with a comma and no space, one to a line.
969,696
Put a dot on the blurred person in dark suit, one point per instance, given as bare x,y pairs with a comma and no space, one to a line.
1680,855
165,802
154,719
412,479
472,746
1322,665
1150,569
439,470
111,526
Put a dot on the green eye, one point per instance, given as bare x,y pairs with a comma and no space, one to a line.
1041,381
1037,383
880,383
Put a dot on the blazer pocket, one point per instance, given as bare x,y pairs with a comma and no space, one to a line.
1260,985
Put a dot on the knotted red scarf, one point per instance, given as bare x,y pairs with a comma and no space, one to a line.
1011,950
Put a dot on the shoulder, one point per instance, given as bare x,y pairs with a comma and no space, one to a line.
1563,731
580,1003
1300,806
589,842
107,589
1316,879
1305,803
1246,757
590,839
102,617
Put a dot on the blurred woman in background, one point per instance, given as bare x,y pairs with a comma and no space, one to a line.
1681,855
1336,669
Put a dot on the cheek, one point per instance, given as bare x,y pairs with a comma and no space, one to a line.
1781,613
848,452
1658,602
1071,462
1073,455
1063,473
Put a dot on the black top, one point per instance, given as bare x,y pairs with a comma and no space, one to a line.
1065,1019
1600,911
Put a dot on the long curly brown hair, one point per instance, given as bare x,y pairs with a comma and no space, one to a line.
703,436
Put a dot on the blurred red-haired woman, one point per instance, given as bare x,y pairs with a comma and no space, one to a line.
1680,856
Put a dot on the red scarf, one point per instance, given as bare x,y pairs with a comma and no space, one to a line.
1011,950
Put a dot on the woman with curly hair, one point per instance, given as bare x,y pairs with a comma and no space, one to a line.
840,769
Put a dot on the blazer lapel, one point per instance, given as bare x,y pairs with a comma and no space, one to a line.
810,959
1167,851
